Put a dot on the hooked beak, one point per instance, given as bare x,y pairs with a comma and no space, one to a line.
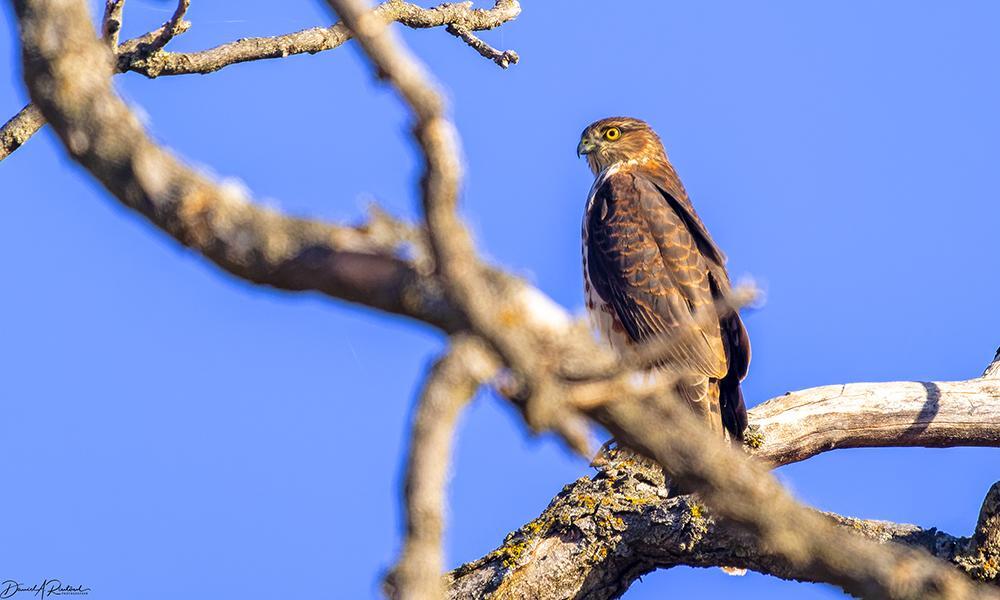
585,147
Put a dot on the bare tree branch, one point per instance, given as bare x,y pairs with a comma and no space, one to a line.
504,58
19,128
171,28
111,24
802,424
450,384
599,535
145,53
572,546
317,39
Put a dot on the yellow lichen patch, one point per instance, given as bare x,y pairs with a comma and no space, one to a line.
536,527
510,554
695,510
639,500
753,438
600,552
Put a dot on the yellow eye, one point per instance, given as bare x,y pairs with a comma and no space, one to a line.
612,134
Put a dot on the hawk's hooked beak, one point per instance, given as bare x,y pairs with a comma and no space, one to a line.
585,147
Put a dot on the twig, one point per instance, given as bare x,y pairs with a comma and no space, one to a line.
111,24
171,28
451,383
19,129
504,58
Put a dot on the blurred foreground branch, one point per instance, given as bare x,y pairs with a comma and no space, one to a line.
452,381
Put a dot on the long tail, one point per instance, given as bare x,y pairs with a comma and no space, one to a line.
734,411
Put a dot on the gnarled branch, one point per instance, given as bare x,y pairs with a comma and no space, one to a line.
600,534
145,54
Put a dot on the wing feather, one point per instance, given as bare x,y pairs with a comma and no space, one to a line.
645,263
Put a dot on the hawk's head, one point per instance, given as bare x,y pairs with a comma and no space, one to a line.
619,139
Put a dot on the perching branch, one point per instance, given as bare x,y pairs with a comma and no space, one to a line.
574,548
450,384
802,424
599,535
145,54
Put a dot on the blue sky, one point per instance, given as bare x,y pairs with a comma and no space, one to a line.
169,430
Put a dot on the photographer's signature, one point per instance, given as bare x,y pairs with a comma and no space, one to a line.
47,587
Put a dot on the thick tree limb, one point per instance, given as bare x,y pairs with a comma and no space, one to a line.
572,548
450,384
802,424
600,534
145,54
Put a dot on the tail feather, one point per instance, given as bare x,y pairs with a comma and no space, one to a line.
734,411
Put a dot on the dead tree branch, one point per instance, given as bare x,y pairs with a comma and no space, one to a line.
450,384
111,23
145,54
171,28
802,424
19,129
600,534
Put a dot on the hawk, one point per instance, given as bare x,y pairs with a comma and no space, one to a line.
649,265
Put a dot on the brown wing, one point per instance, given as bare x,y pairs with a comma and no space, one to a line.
734,333
644,262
